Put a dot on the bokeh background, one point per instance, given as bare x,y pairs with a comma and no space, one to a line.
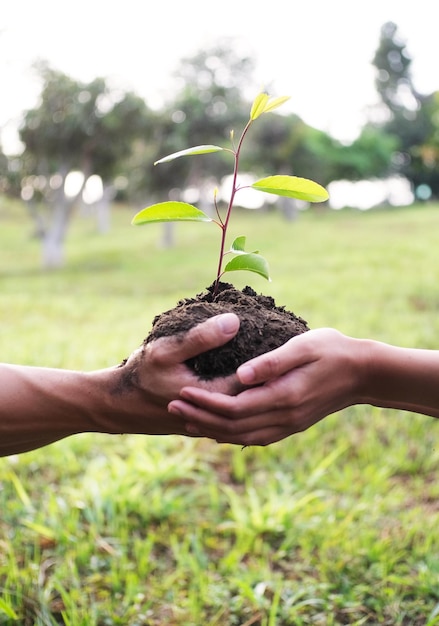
337,525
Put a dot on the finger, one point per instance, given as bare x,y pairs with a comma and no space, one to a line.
217,425
253,401
294,353
210,334
261,437
212,401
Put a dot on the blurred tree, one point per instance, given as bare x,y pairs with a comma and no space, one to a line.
208,104
393,80
405,114
368,156
4,182
286,144
75,127
425,161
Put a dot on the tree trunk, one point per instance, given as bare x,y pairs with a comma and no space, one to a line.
103,209
39,224
53,251
53,240
168,235
289,208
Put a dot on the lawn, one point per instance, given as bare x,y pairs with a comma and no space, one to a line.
337,525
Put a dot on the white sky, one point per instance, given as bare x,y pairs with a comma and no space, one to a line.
316,51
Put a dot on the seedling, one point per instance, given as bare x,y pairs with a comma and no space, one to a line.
280,185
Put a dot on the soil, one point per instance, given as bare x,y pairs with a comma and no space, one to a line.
263,327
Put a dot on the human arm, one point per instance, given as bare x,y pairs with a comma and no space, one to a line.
311,376
41,405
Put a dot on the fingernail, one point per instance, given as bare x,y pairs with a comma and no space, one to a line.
228,323
175,410
246,374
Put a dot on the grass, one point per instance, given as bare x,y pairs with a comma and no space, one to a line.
337,525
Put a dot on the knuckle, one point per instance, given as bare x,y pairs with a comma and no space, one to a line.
154,352
196,334
272,364
234,412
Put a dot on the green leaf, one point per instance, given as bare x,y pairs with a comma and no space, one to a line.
263,104
238,245
292,187
189,151
171,211
276,103
258,105
249,262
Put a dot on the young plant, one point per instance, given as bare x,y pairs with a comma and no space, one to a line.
280,185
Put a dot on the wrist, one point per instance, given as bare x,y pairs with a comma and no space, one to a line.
380,382
364,363
112,394
124,406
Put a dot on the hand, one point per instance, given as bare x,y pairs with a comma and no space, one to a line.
293,387
40,405
155,374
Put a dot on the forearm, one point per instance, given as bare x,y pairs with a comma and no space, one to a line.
41,405
401,378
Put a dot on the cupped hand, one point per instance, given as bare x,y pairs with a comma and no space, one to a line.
291,388
157,373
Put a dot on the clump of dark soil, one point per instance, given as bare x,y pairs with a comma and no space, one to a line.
263,327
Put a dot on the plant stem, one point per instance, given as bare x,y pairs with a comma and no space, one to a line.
225,224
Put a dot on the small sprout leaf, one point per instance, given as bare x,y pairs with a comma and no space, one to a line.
292,187
263,104
171,211
275,103
250,263
238,245
189,151
258,105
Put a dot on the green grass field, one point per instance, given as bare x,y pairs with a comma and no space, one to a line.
337,525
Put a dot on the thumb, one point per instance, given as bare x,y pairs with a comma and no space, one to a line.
214,332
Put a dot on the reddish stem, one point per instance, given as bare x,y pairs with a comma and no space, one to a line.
225,224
